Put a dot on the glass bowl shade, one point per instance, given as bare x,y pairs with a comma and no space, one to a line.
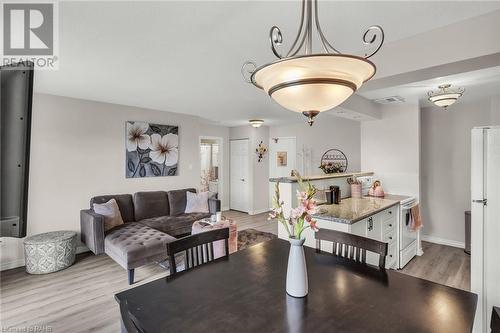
315,82
445,100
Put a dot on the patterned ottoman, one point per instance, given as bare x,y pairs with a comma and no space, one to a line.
49,252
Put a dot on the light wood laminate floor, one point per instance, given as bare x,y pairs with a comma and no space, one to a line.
80,298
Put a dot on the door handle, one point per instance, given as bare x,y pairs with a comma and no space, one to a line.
483,201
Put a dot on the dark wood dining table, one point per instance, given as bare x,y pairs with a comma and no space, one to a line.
246,293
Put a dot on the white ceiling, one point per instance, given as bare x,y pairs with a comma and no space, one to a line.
186,56
478,84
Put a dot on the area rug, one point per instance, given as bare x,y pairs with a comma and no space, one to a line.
250,237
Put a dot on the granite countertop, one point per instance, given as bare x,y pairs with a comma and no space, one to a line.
321,177
352,210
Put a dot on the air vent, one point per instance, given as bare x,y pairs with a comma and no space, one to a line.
390,100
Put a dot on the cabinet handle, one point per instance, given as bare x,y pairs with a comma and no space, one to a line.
390,212
390,255
390,225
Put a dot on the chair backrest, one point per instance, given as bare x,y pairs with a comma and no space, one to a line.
198,249
127,323
495,320
351,246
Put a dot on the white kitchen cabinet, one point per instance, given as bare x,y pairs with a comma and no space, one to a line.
381,226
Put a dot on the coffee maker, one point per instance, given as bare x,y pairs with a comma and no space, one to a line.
333,195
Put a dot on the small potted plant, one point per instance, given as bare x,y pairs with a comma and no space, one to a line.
331,167
299,219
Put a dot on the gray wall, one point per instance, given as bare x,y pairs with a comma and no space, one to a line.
327,132
445,164
390,148
78,151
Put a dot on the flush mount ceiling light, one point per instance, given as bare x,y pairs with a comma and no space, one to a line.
311,83
445,96
256,122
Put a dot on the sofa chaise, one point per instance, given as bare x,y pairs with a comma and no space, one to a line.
151,220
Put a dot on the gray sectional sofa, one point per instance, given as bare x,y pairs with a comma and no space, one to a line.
152,219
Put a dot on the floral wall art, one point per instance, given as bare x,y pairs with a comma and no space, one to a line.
152,150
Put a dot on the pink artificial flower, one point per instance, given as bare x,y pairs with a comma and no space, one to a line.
312,223
309,206
297,212
301,196
274,213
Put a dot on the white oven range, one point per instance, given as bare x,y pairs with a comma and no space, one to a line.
408,240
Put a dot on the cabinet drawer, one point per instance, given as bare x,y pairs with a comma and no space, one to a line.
389,237
388,225
390,260
389,213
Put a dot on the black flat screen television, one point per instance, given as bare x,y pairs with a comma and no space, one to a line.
16,96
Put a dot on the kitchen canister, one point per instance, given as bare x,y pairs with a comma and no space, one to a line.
356,190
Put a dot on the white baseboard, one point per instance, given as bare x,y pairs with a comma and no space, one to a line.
12,264
20,261
82,249
442,241
225,209
259,211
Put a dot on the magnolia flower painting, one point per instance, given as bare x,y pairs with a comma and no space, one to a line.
152,150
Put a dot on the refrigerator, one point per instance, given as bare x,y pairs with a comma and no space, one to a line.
485,222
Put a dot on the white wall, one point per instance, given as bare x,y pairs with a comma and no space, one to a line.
78,151
390,148
258,171
327,132
445,164
475,37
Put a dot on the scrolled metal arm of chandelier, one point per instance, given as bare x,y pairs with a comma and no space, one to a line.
247,70
377,33
275,38
373,36
309,82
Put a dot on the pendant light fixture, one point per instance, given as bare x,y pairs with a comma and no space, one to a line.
445,96
307,82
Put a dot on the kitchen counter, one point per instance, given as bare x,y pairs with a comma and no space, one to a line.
352,210
321,177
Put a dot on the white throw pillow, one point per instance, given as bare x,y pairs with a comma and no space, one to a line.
196,202
111,213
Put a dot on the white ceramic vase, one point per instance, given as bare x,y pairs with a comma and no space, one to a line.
296,274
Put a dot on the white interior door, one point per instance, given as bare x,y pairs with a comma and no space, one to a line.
239,169
477,227
282,159
485,226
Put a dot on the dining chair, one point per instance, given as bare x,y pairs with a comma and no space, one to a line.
495,320
351,246
198,249
126,323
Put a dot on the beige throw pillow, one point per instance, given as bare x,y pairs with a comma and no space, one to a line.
111,213
196,203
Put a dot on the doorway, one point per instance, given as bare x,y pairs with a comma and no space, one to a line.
239,170
211,179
